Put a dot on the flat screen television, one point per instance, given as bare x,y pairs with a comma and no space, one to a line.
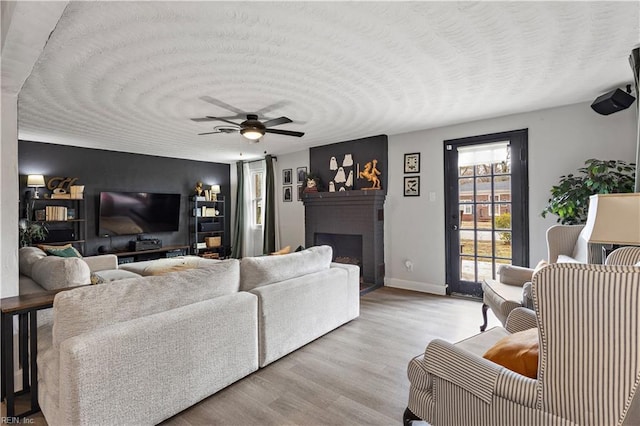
131,213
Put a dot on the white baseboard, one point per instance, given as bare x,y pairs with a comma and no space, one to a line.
416,286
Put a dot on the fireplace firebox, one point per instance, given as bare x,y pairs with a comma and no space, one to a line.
352,223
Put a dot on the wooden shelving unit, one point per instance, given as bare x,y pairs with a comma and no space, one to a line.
204,225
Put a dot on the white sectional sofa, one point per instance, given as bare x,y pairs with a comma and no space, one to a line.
138,351
39,272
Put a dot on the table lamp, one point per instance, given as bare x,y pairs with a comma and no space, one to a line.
35,181
215,190
614,219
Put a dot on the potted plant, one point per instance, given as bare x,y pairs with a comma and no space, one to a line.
31,232
570,198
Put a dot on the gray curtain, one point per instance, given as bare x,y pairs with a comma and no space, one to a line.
269,240
238,234
634,60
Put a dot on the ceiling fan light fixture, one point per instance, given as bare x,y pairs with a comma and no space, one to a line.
252,133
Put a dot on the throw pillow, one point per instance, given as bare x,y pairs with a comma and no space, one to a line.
517,352
97,279
284,250
66,250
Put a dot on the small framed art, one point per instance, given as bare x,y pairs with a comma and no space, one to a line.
286,194
302,174
286,176
300,192
412,186
412,163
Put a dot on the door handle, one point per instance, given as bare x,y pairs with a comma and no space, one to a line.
454,227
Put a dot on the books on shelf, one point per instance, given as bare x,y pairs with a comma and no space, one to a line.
55,213
76,192
205,211
61,196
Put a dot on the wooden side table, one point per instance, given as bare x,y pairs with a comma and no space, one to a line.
26,308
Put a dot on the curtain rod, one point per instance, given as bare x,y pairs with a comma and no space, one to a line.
255,161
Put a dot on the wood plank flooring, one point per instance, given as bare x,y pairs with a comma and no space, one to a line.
355,375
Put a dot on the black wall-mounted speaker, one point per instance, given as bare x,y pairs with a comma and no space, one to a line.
613,101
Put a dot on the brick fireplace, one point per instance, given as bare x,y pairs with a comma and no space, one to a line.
352,222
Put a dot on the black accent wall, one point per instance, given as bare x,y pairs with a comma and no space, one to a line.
361,150
101,170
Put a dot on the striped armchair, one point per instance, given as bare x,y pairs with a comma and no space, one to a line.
588,369
624,256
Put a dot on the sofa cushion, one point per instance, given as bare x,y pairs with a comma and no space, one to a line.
164,266
101,277
89,308
563,258
259,271
53,272
518,352
27,256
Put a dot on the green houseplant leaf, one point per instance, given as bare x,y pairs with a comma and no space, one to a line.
570,197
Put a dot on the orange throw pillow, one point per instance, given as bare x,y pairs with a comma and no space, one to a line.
517,352
284,250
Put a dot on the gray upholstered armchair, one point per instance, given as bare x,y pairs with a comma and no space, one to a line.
588,367
505,294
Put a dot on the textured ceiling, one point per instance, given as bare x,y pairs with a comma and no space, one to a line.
127,76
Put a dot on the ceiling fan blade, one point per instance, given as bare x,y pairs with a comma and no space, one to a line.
284,132
225,120
277,121
200,119
208,133
221,104
269,108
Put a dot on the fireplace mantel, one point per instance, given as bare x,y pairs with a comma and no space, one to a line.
357,212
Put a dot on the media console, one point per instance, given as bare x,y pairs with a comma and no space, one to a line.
141,255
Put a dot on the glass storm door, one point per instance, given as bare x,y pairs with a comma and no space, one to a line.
486,208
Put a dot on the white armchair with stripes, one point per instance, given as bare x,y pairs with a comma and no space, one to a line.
588,322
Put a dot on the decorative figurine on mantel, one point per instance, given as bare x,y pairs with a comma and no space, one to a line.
312,185
199,188
371,174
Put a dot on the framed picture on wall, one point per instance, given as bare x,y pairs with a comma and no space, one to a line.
300,192
286,194
286,176
412,163
412,186
302,174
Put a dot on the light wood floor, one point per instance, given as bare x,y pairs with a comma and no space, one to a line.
353,375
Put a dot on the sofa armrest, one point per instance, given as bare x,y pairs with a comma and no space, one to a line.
102,262
521,319
353,283
462,368
515,275
517,388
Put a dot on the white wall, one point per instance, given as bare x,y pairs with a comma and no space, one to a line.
291,213
560,140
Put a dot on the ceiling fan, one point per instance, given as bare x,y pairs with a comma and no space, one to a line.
251,128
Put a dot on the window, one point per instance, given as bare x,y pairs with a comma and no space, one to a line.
257,183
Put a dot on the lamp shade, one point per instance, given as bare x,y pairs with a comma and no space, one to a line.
36,181
215,189
614,219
